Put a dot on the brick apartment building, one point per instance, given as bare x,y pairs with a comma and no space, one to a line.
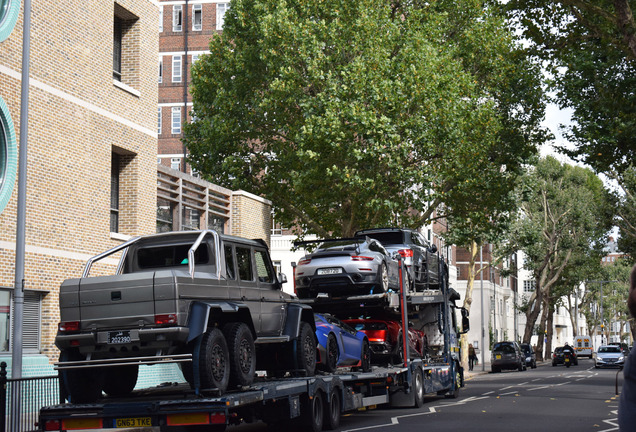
92,146
185,29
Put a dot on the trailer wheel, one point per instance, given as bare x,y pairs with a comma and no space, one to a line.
331,363
305,351
365,357
242,353
418,388
332,413
214,361
80,385
120,381
313,412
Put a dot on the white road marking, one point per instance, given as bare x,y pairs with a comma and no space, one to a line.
550,385
509,393
431,410
487,393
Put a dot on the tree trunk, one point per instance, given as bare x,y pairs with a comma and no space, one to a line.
468,300
550,333
542,331
532,313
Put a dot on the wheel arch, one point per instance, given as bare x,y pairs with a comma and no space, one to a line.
207,314
297,313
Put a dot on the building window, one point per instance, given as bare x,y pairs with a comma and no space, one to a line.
125,47
8,155
161,70
175,163
159,121
195,58
176,68
221,8
30,324
176,120
528,286
177,18
114,193
160,18
197,17
9,10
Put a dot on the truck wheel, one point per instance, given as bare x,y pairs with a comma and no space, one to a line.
454,394
331,363
305,352
80,385
313,412
418,388
214,361
365,357
332,413
120,381
242,354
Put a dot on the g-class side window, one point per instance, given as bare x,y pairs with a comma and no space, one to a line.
263,267
244,262
229,262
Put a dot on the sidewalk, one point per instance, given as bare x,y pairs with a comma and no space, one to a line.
477,370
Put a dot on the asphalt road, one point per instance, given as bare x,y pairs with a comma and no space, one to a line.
579,398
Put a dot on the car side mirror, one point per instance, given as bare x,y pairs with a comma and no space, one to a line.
465,321
282,278
432,249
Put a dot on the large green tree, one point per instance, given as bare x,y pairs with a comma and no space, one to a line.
590,50
351,114
565,212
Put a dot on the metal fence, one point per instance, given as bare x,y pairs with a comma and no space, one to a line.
25,396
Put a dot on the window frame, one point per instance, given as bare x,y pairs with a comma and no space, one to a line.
160,79
175,130
197,9
9,168
177,59
177,161
160,19
220,21
159,121
177,18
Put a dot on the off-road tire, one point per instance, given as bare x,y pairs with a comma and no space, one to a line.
214,361
240,344
120,381
80,385
305,350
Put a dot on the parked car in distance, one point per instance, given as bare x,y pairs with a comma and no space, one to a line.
531,357
346,267
609,356
507,355
340,345
385,337
583,346
417,252
622,345
558,357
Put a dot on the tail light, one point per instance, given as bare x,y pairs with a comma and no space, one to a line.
406,253
52,425
165,319
361,258
68,326
304,261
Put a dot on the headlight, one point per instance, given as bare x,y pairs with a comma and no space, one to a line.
621,358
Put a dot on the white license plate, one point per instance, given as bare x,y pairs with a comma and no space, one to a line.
329,271
119,337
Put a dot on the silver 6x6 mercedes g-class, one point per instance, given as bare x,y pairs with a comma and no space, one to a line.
210,302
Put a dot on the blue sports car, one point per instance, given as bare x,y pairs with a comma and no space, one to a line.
340,345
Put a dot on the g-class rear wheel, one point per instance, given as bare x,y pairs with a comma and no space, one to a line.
120,381
214,361
305,350
242,353
80,385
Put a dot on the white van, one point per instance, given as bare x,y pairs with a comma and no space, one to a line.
583,346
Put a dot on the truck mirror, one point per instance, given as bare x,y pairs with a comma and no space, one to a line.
282,278
465,320
432,249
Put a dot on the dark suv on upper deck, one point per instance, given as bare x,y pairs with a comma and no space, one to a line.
420,257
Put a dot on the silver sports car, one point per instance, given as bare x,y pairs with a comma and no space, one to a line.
346,267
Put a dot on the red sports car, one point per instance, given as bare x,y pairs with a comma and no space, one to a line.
385,337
